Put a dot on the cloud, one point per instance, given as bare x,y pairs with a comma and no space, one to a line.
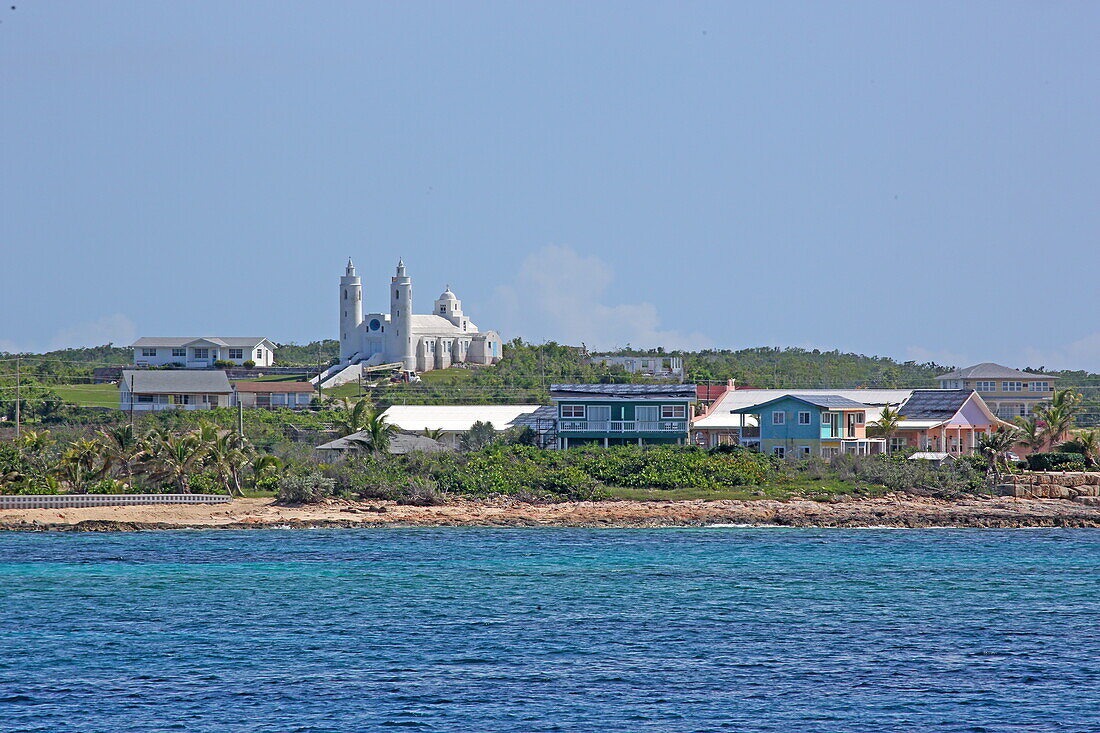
559,296
1081,354
117,329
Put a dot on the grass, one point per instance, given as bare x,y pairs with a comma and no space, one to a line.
88,395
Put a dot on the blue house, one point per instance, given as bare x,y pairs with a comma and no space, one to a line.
622,414
813,425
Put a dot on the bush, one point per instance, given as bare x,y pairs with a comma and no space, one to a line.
1056,462
249,364
223,364
305,489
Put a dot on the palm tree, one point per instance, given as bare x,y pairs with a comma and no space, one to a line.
175,457
1031,434
436,434
123,447
1087,443
1060,414
376,434
886,426
226,453
995,446
354,418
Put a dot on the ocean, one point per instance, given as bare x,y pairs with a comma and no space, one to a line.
551,630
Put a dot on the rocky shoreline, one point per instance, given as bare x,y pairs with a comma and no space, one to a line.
897,511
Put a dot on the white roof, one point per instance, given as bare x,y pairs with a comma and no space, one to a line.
918,424
437,326
929,456
454,418
737,399
247,342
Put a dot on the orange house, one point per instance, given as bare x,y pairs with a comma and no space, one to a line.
944,420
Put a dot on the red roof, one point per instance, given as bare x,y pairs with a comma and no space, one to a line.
273,387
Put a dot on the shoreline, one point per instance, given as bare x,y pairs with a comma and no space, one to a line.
894,511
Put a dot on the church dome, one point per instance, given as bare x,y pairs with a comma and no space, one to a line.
448,295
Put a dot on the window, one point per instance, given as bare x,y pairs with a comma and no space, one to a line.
858,418
804,418
148,352
259,353
179,352
1012,386
145,398
897,444
804,451
673,412
236,353
985,386
779,451
442,309
779,418
645,414
952,384
202,353
1038,387
575,412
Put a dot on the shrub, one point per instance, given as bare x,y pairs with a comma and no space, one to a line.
1056,462
307,489
249,364
422,492
109,486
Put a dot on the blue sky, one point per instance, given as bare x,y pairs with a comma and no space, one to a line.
914,180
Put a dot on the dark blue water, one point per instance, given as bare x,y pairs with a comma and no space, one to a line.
551,629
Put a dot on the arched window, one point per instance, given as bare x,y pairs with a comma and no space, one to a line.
345,295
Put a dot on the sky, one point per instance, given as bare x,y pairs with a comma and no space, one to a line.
916,180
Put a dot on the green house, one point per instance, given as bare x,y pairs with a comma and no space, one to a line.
622,414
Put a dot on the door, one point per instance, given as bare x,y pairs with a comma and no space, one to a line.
599,418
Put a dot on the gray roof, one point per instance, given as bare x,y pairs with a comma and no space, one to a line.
824,401
167,342
989,370
830,401
400,444
678,391
934,404
176,381
532,419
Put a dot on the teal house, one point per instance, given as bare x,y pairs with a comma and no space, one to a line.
813,425
622,414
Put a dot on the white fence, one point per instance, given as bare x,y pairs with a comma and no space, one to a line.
74,501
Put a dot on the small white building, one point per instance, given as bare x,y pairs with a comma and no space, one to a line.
655,365
173,389
201,352
454,420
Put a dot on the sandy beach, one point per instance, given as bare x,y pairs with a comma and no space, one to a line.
890,511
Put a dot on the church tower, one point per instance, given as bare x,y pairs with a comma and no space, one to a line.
400,346
351,312
449,306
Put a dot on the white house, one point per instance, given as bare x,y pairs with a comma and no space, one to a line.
173,389
453,420
418,342
201,352
656,365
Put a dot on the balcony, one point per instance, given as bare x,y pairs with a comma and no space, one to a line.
622,426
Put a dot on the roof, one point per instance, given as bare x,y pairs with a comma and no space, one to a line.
678,391
454,418
532,419
824,401
176,381
931,456
399,444
989,370
918,424
722,413
244,386
246,342
934,404
433,324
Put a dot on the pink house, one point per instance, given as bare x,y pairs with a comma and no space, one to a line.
944,420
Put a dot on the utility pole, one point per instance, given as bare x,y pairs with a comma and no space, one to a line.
132,396
240,417
18,384
320,394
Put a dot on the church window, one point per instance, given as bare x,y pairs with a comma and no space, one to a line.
345,295
397,295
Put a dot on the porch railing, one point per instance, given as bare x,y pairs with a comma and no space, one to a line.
622,426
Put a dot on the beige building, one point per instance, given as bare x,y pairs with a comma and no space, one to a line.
1009,393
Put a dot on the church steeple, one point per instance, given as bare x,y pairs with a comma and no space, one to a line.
350,270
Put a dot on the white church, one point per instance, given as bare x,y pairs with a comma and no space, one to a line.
418,342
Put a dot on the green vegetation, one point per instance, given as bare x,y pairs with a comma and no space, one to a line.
88,395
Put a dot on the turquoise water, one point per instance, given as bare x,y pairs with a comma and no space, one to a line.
551,630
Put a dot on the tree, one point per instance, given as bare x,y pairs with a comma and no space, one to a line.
886,425
226,453
1059,415
995,446
354,417
123,448
480,435
1031,434
1087,443
436,434
175,457
376,434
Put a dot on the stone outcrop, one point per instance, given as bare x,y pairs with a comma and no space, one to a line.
1080,486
